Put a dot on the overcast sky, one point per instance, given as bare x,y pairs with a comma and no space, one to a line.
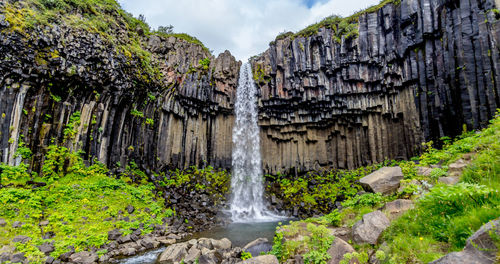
244,27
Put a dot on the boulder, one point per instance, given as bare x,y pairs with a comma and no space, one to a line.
385,180
17,224
265,259
424,171
257,246
450,180
114,234
221,244
337,251
46,248
192,255
368,229
479,249
396,208
173,254
21,239
130,209
455,169
83,257
18,258
123,239
148,243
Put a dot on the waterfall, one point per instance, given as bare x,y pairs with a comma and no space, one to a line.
247,202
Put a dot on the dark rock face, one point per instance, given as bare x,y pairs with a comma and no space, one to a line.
417,71
182,118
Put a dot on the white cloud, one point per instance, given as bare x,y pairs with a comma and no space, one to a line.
244,27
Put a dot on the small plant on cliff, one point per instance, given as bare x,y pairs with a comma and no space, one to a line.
72,126
137,113
245,255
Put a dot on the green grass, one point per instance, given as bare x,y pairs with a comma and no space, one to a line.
75,201
342,27
443,218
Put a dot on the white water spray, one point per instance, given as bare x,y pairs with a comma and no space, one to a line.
247,203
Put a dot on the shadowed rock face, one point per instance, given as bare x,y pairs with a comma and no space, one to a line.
417,71
184,118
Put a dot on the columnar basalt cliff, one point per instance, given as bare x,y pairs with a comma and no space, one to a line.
418,70
181,118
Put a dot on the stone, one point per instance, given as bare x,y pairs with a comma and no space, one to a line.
337,250
173,254
46,248
2,222
257,246
124,239
114,234
44,223
385,180
424,171
397,207
49,260
265,259
18,258
83,257
480,247
192,255
21,239
450,180
130,209
167,242
455,169
368,229
17,224
4,257
221,244
205,243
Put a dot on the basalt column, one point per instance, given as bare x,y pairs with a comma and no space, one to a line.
415,72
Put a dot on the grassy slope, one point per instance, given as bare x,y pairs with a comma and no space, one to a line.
442,219
343,27
75,201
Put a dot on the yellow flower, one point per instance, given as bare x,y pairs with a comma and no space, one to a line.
421,238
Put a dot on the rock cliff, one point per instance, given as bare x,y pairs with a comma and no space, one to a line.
173,116
417,70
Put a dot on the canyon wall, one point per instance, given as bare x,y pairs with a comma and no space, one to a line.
183,118
415,72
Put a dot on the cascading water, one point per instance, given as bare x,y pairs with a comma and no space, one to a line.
246,183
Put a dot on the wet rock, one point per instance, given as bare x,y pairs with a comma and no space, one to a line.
370,227
265,259
337,250
257,246
83,257
479,249
385,180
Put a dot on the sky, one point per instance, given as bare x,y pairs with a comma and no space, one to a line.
244,27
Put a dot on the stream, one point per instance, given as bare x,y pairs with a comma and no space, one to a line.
239,233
